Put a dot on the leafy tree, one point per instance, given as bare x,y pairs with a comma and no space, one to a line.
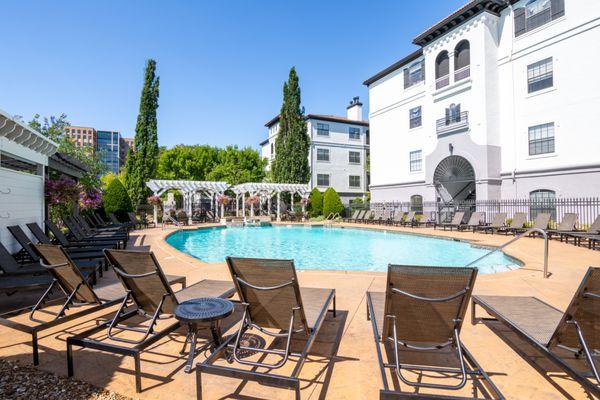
292,143
141,164
187,162
332,203
315,204
236,166
117,200
107,178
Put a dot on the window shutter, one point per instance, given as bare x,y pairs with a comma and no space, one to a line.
520,26
406,79
423,70
558,8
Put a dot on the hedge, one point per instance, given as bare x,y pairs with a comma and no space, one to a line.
117,200
332,203
315,205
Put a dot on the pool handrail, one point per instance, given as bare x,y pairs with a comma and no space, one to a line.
527,232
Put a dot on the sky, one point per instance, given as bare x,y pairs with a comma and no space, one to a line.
221,64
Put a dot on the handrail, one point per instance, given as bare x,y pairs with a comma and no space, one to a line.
528,231
173,220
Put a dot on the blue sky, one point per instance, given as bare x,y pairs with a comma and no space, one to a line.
221,63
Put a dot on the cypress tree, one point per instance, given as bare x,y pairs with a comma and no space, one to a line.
292,143
141,164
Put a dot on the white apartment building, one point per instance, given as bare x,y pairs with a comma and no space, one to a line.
501,100
338,150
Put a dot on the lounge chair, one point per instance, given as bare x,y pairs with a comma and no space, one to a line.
593,230
398,218
10,266
61,239
148,288
455,223
567,225
431,220
422,312
360,217
517,222
78,292
499,221
86,229
135,221
277,306
81,236
115,222
541,222
15,277
475,220
353,217
367,217
72,248
551,331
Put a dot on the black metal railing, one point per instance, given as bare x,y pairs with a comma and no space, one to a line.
442,81
462,73
452,123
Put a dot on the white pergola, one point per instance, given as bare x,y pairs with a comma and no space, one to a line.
188,189
268,190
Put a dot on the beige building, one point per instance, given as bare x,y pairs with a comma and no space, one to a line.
82,136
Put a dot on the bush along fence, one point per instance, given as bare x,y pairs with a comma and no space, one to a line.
587,209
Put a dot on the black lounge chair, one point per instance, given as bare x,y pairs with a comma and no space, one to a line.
567,225
149,289
578,236
81,236
61,239
73,249
551,331
517,222
475,220
79,295
455,223
15,277
277,306
499,221
421,315
353,217
86,229
136,222
10,266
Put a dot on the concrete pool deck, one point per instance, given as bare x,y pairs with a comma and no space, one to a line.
348,369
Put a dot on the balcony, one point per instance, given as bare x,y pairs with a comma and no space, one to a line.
441,82
452,123
462,73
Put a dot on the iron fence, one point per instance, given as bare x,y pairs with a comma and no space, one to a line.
587,209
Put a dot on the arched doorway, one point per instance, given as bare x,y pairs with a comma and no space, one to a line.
454,179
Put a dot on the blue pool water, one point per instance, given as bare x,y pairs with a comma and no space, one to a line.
334,248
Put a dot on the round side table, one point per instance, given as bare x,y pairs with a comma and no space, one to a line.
196,311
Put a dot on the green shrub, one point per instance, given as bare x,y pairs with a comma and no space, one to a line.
117,200
332,203
315,205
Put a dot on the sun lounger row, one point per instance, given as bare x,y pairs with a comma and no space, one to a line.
422,311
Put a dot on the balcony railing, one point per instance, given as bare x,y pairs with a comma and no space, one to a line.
462,73
443,81
453,123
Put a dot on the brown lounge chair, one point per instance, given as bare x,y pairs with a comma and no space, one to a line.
354,216
551,331
498,222
422,312
148,288
78,292
409,219
518,220
541,222
456,221
277,306
475,220
567,225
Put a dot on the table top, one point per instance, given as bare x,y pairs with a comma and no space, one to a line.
204,309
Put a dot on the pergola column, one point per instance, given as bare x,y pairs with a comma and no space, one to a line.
244,205
278,206
189,206
237,205
303,210
269,204
291,201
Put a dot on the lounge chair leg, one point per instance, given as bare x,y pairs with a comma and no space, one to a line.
138,377
297,392
34,345
69,359
334,307
199,385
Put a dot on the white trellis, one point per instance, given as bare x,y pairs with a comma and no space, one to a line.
188,190
267,190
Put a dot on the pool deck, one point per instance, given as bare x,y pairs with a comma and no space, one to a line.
348,369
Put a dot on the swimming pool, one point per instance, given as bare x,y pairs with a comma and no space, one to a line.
317,247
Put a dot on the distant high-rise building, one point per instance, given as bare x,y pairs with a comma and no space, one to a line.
126,144
82,136
107,145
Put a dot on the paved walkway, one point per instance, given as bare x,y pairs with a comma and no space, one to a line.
347,370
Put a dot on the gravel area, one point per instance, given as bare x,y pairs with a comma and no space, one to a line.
21,382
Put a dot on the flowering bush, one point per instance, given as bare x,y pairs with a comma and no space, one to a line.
304,201
223,199
153,200
62,191
253,200
90,199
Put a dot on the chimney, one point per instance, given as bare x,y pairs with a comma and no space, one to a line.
354,109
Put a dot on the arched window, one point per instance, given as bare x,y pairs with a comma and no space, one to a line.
442,69
416,203
462,60
542,201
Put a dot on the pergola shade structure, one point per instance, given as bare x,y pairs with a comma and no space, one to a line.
188,189
268,190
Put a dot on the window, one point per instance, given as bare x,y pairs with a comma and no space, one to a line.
537,13
414,74
322,154
414,117
540,75
354,157
416,160
354,181
322,129
453,114
541,139
354,133
416,203
272,150
322,179
462,60
542,201
442,69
